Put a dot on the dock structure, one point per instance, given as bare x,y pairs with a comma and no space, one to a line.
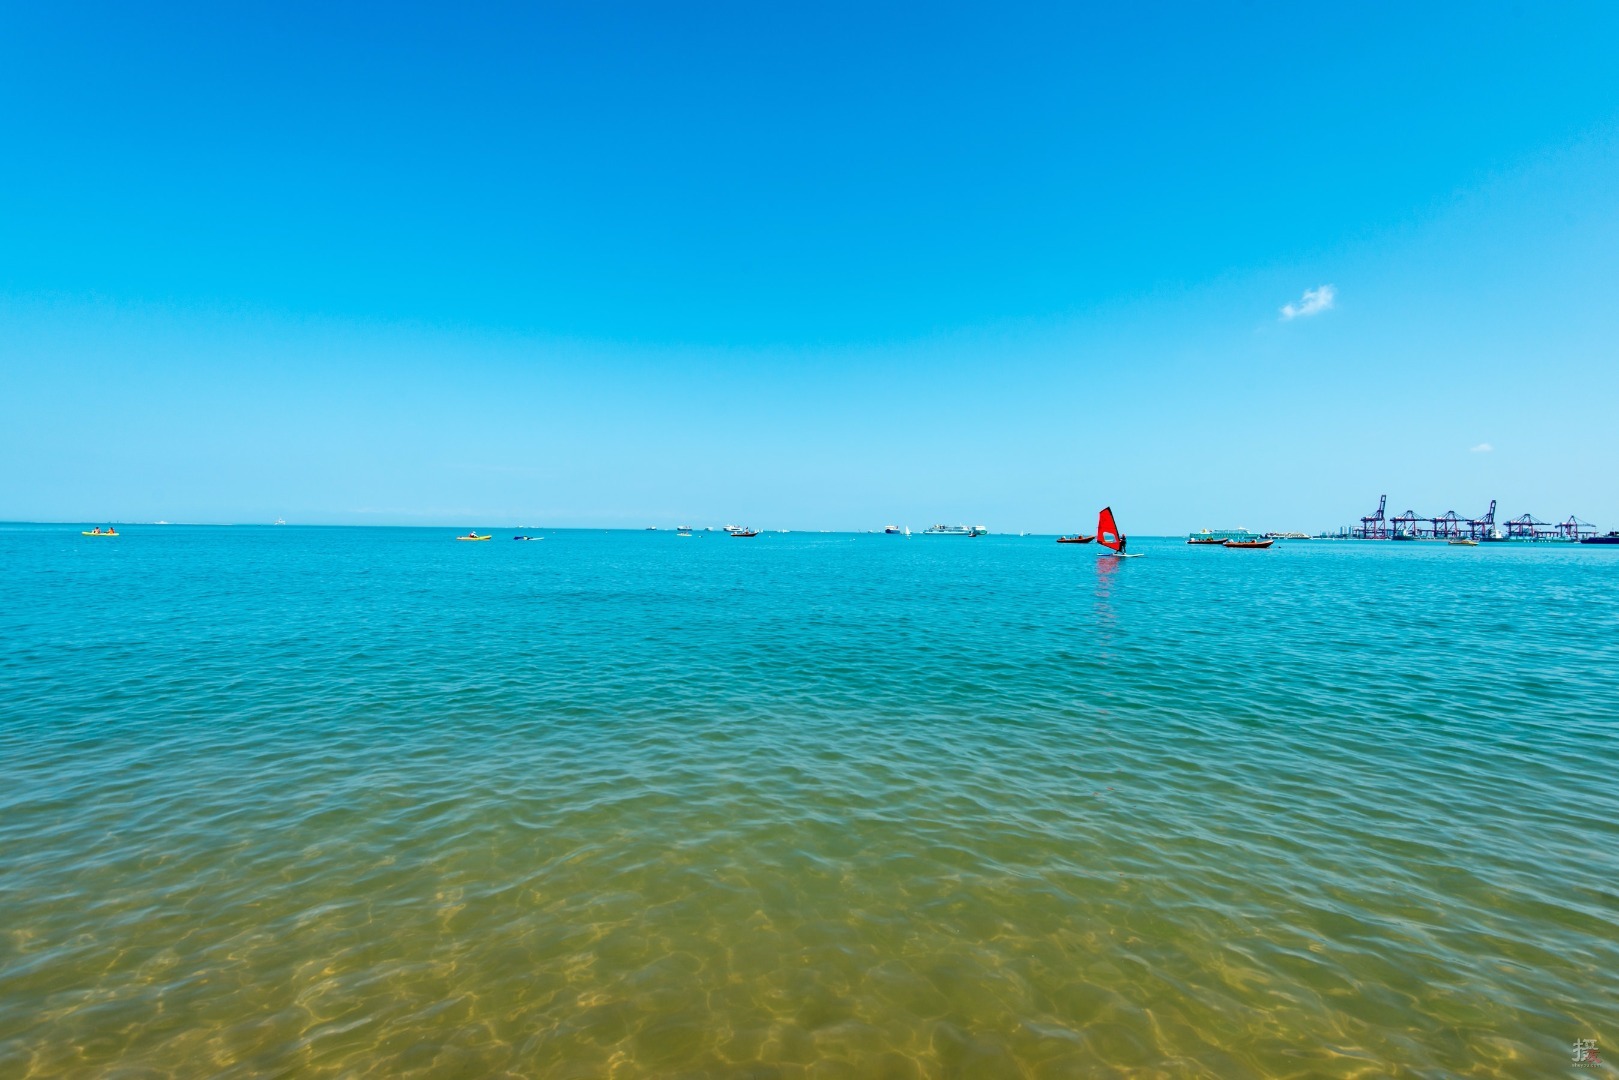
1481,528
1373,526
1575,529
1527,527
1452,526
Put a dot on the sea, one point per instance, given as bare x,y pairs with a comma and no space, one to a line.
369,802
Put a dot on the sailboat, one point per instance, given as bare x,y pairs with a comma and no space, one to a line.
1108,535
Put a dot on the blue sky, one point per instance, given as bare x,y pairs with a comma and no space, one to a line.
827,267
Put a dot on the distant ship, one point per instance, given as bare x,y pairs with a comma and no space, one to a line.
280,521
890,530
947,530
1605,538
1220,536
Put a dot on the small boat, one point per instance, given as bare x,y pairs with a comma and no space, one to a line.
742,533
99,531
1463,542
684,532
1215,541
475,536
1109,536
977,530
514,538
1248,543
1077,538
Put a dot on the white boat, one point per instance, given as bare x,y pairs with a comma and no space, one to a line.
947,530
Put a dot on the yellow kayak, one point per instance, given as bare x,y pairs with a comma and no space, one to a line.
475,537
109,532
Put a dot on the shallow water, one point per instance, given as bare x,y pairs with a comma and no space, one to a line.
368,802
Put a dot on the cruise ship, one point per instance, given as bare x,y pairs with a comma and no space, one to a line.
1220,536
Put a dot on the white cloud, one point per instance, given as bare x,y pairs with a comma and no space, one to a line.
1314,302
1482,448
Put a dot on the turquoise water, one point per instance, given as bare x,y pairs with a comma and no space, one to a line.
369,802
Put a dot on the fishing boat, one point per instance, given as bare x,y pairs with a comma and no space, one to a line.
1462,541
1248,543
1077,538
99,531
475,536
1109,536
743,533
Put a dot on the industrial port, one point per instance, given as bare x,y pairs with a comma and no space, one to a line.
1450,525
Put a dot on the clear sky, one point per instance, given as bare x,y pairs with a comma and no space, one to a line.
810,265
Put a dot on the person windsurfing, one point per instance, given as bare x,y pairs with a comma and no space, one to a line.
1107,531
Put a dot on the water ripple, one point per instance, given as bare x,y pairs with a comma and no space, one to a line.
368,803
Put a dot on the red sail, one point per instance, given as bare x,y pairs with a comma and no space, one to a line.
1107,531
